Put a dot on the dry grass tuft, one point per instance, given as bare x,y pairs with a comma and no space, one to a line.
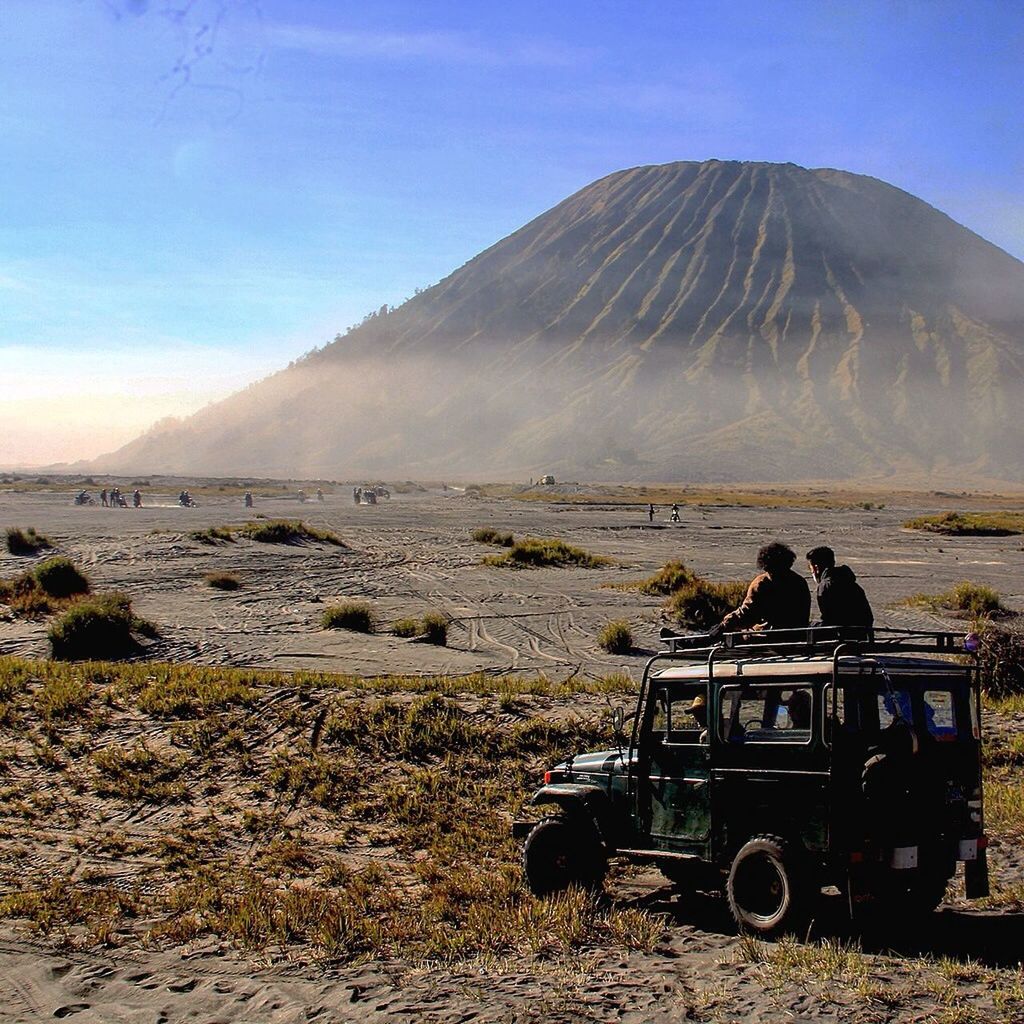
26,541
534,552
487,535
352,615
970,524
97,629
288,531
222,581
964,598
616,638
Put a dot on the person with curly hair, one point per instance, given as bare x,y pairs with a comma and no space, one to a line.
777,598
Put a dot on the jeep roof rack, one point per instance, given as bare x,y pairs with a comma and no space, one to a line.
818,640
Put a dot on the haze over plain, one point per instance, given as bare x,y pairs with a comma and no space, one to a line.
189,218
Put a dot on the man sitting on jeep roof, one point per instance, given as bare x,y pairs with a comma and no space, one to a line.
776,599
841,599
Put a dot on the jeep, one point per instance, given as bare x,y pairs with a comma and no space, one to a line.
772,765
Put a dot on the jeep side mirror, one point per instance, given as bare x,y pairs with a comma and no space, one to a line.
618,720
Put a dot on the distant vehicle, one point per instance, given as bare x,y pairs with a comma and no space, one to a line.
84,498
771,769
547,480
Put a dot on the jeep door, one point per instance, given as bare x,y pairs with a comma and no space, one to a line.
673,792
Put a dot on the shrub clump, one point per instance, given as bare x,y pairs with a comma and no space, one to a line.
288,531
352,615
1001,659
965,598
616,638
213,535
970,524
486,535
540,551
669,578
222,581
59,577
406,627
435,629
701,603
431,629
97,629
27,541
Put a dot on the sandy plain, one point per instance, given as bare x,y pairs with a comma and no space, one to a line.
413,554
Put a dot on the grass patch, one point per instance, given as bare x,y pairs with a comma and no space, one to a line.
51,585
702,603
435,628
97,629
138,773
288,531
351,615
964,598
691,601
486,535
616,638
970,524
213,535
432,628
26,541
222,581
59,577
535,552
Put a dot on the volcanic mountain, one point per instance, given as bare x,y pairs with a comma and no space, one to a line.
714,320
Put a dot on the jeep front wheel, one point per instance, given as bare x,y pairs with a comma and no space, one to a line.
768,893
560,852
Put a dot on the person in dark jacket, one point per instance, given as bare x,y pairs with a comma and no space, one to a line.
776,599
841,599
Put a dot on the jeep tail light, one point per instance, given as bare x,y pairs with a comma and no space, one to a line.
983,841
856,856
549,777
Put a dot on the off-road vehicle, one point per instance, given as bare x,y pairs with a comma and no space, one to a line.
774,765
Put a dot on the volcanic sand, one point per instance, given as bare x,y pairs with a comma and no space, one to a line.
414,554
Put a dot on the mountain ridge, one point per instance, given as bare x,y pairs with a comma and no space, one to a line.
801,323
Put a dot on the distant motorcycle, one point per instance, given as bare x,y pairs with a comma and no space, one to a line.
84,498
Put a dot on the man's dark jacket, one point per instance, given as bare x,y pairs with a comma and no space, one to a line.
841,599
778,600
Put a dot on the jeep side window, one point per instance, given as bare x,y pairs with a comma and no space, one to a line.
673,720
776,714
940,715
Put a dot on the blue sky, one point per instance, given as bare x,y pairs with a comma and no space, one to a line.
194,193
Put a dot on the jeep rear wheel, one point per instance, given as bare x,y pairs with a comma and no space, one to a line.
768,893
560,852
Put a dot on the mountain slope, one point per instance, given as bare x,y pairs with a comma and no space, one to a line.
709,320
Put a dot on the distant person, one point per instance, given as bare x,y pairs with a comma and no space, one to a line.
841,599
103,497
137,498
777,598
319,494
248,499
650,513
302,496
675,514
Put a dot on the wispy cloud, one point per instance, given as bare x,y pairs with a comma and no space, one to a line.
445,46
12,284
